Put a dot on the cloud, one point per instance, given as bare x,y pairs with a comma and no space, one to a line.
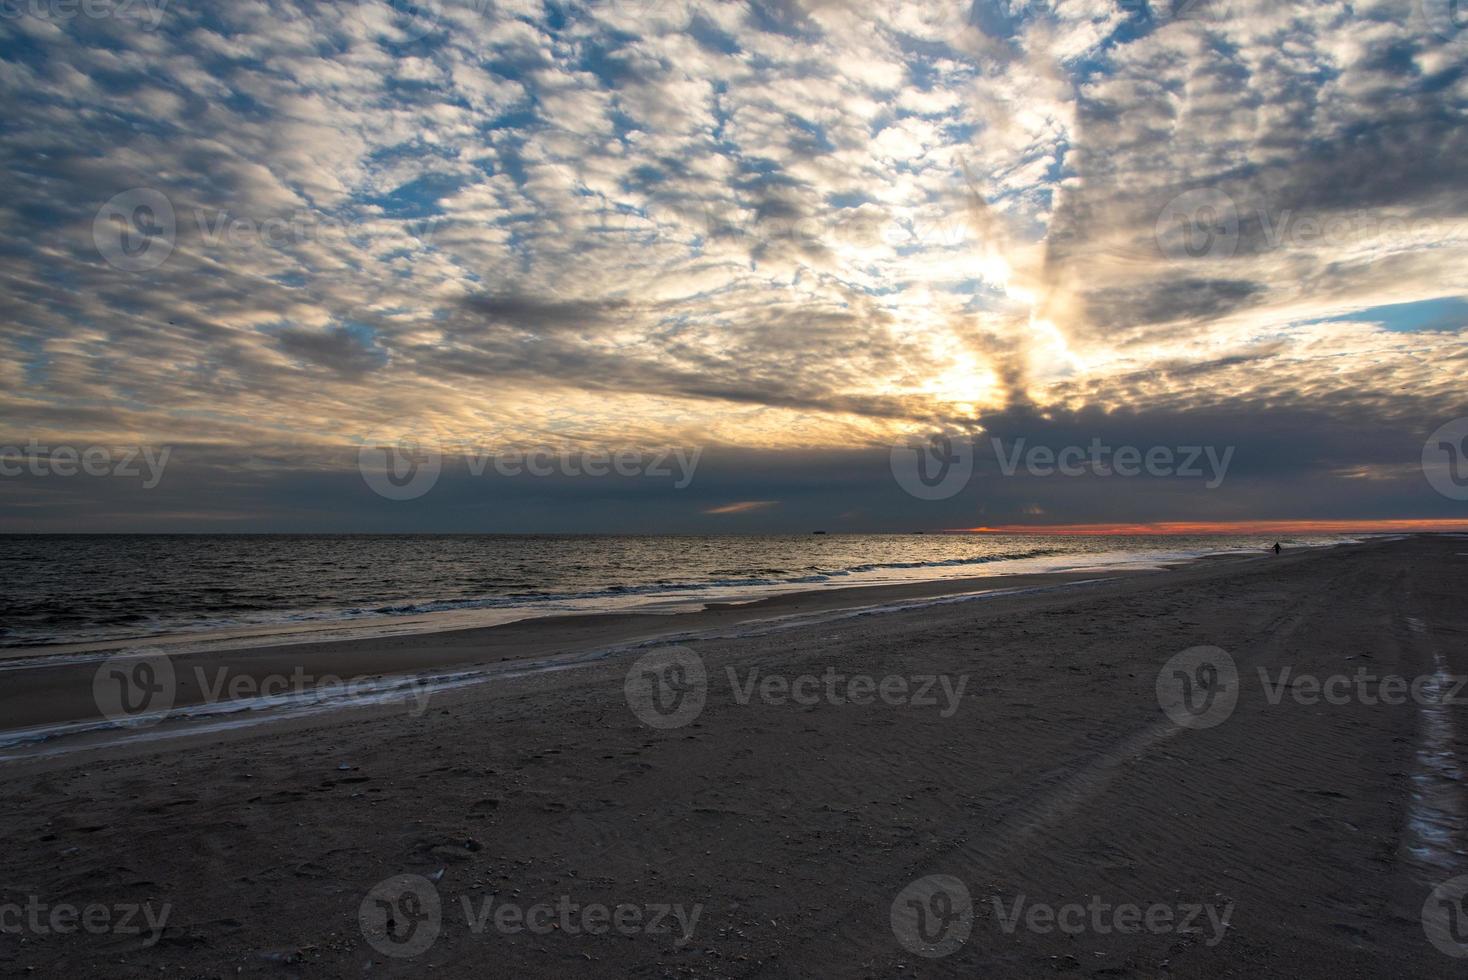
339,349
803,226
742,507
535,315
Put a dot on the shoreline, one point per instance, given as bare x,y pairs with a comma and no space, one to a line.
54,691
228,692
310,626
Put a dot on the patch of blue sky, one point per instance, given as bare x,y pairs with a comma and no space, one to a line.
1445,314
418,198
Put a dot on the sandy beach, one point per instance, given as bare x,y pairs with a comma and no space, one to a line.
981,787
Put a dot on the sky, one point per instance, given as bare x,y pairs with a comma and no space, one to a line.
280,249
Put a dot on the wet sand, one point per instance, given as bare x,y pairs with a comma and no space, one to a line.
1317,830
46,685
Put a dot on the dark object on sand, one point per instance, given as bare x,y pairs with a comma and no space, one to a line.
1277,548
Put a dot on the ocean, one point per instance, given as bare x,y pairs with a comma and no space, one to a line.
58,589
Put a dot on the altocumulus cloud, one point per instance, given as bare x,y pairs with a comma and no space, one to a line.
778,228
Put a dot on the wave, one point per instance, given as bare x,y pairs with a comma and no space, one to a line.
422,607
92,591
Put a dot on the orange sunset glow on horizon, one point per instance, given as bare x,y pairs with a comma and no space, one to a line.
1406,526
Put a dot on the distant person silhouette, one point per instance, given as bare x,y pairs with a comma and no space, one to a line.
1277,548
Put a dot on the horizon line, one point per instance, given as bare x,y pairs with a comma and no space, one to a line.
1366,526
